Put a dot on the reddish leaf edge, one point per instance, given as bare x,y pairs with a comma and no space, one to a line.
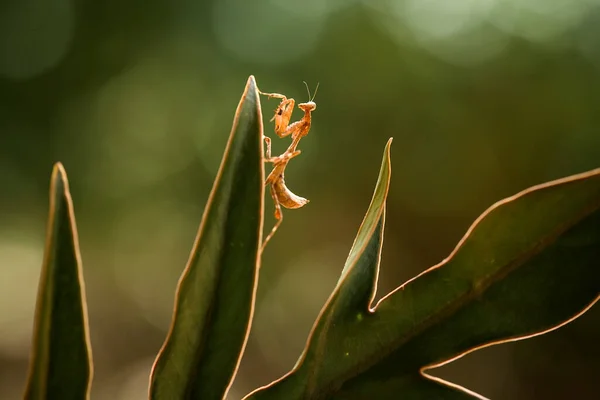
59,174
571,178
345,274
250,84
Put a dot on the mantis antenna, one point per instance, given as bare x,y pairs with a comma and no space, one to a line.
308,90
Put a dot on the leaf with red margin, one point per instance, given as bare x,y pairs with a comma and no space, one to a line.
216,292
528,265
61,356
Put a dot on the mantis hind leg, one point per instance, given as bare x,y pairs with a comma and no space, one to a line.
284,158
278,216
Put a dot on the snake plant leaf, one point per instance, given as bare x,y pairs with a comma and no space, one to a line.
528,265
215,296
61,360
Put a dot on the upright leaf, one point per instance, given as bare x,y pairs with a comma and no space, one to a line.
346,309
528,265
215,296
60,366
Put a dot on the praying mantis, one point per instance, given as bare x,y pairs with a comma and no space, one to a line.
282,196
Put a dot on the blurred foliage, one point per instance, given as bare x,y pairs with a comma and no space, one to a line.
483,98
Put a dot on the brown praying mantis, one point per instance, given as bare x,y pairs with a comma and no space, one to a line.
282,196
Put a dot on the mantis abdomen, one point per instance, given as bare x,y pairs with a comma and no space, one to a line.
285,196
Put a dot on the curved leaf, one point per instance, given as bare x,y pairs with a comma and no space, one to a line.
347,307
60,366
215,297
528,265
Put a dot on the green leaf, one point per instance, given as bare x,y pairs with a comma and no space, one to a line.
60,366
347,307
215,297
528,265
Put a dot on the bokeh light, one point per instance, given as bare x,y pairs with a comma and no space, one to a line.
483,98
34,36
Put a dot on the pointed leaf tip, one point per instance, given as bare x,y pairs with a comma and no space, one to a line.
251,87
61,361
525,267
327,351
58,174
58,167
365,253
215,295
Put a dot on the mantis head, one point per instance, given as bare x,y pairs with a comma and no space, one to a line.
310,105
307,107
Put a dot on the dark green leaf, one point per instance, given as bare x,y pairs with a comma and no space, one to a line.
215,296
60,366
528,265
347,307
408,386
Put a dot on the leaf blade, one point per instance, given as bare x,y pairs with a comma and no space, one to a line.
517,248
349,302
531,252
61,363
215,295
575,199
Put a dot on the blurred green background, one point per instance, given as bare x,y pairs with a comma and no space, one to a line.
483,98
